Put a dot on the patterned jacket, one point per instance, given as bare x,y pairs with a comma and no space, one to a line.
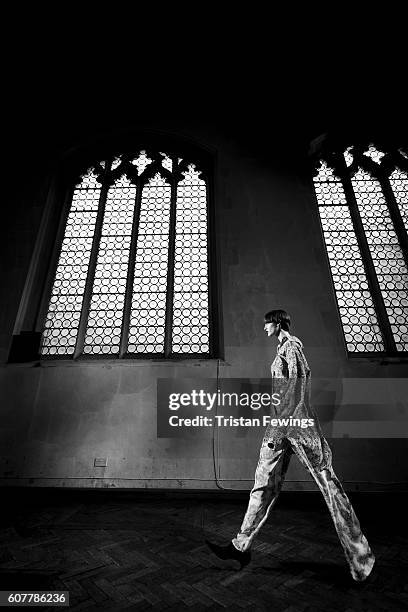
291,379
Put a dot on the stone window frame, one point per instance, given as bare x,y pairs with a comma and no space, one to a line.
58,185
331,149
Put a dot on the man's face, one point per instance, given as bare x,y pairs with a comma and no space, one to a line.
270,328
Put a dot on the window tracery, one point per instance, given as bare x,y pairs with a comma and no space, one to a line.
362,196
132,278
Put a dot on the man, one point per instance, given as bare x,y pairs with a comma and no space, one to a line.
291,377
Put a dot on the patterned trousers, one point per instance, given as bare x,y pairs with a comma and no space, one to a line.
315,454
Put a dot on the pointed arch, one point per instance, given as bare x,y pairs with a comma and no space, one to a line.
135,278
362,197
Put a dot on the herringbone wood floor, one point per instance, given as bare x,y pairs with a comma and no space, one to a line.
145,550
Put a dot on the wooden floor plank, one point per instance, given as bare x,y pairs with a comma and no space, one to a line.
147,553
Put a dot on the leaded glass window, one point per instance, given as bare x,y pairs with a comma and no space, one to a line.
134,267
362,195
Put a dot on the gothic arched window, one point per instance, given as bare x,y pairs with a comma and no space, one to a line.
133,273
362,195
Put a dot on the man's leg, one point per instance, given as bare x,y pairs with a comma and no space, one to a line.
270,473
315,454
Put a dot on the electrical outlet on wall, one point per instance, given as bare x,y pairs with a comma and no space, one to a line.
100,462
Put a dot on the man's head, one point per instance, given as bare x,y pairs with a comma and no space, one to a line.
275,321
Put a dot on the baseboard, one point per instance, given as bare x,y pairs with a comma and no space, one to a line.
185,484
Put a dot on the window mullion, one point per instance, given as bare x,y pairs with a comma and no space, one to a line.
372,280
395,217
170,271
91,270
131,272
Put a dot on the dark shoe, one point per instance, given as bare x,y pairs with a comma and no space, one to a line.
230,552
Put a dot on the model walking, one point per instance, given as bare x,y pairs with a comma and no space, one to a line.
291,377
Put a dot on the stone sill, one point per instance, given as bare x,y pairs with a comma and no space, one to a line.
52,363
380,360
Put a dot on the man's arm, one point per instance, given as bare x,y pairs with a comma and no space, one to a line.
291,387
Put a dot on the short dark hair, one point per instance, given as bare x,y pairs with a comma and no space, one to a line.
278,316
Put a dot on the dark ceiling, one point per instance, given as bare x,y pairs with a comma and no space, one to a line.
52,107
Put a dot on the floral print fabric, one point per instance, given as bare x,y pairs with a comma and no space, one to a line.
291,376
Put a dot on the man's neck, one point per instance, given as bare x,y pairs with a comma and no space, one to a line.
283,334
